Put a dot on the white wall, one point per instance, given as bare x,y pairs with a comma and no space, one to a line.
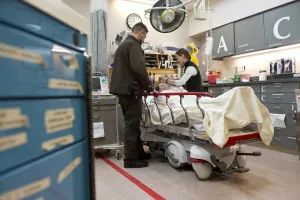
118,10
81,6
227,11
257,62
253,63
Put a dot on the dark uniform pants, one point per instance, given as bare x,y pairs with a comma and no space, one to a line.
132,111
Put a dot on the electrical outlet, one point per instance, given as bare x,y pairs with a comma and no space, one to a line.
242,68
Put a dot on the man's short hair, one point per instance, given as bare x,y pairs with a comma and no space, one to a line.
139,27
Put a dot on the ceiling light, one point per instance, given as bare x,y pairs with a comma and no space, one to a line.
267,51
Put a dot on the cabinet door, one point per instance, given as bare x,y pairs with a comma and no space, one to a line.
223,41
249,34
282,25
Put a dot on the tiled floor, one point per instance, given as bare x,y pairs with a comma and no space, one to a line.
274,175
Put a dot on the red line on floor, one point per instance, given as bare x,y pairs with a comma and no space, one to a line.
138,183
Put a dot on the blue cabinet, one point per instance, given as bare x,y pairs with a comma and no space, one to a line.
45,142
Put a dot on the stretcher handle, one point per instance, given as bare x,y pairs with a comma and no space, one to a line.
181,94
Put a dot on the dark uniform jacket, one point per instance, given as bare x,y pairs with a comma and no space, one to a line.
129,68
194,84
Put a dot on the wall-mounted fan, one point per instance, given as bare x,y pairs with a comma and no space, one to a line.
168,15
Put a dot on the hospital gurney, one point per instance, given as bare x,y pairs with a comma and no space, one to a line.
184,144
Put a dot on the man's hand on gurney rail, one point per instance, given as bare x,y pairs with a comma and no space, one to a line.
154,92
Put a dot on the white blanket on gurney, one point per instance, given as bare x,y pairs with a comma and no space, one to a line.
234,109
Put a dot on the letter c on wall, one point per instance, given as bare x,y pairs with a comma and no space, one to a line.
276,29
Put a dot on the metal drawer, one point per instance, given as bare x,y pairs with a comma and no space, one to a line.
30,129
102,100
284,141
216,94
256,88
26,17
103,115
280,108
278,98
35,67
219,90
258,96
288,131
289,120
50,177
279,88
110,134
107,107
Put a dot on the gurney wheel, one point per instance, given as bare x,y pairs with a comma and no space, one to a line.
118,155
173,154
203,171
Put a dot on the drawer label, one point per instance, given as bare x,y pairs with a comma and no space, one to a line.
15,53
59,119
51,144
68,170
27,190
59,53
12,118
64,84
12,141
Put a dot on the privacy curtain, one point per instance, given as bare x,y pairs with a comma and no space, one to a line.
99,36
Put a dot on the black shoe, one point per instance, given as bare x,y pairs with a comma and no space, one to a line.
135,164
145,156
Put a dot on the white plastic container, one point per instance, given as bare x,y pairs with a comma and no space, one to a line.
262,75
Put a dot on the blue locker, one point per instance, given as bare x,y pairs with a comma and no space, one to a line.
61,175
33,128
22,15
34,67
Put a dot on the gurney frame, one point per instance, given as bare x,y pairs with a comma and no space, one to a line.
187,146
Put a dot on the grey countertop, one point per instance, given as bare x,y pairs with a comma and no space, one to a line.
253,82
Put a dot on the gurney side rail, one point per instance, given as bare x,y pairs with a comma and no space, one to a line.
181,95
236,140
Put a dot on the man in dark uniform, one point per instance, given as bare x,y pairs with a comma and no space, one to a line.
129,81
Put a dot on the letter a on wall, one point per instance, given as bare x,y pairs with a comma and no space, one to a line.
222,44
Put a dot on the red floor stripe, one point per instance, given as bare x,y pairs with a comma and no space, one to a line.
138,183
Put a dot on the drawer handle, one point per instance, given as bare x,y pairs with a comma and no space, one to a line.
96,117
263,98
262,88
273,45
247,50
277,86
292,138
96,104
277,139
278,108
278,97
96,109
